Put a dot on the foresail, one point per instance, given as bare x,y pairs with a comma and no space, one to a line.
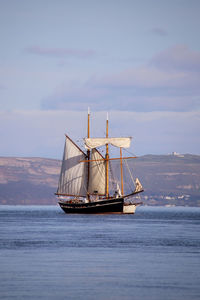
73,176
97,181
91,143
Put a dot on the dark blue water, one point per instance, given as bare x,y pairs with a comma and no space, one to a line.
47,254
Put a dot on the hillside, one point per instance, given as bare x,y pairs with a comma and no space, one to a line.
170,179
167,179
28,180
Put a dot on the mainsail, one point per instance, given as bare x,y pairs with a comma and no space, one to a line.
97,177
73,176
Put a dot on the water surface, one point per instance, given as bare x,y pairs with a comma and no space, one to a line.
47,254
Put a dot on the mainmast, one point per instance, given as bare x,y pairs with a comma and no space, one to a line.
88,155
107,160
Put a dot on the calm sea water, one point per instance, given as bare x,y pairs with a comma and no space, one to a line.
47,254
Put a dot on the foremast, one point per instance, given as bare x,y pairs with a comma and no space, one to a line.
88,157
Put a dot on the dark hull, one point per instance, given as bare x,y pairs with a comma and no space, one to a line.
103,206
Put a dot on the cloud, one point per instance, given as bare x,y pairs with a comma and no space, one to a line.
75,96
167,83
179,57
159,31
136,98
61,52
147,76
173,68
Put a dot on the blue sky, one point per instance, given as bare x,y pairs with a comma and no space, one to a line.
138,60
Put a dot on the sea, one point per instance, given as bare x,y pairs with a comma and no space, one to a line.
151,255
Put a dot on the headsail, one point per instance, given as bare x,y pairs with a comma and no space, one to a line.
97,181
123,142
73,176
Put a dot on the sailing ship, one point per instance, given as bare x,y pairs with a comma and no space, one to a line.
86,184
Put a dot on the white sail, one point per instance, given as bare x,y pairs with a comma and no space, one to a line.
73,176
91,143
97,177
138,186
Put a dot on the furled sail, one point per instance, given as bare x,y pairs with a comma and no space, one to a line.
73,176
91,143
97,177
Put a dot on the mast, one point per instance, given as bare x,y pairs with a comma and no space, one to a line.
107,158
88,154
122,184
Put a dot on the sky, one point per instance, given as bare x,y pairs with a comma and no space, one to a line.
138,60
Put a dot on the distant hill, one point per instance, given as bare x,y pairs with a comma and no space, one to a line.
170,179
28,180
167,179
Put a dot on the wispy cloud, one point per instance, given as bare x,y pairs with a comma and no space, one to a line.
179,57
61,52
159,31
75,96
167,83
